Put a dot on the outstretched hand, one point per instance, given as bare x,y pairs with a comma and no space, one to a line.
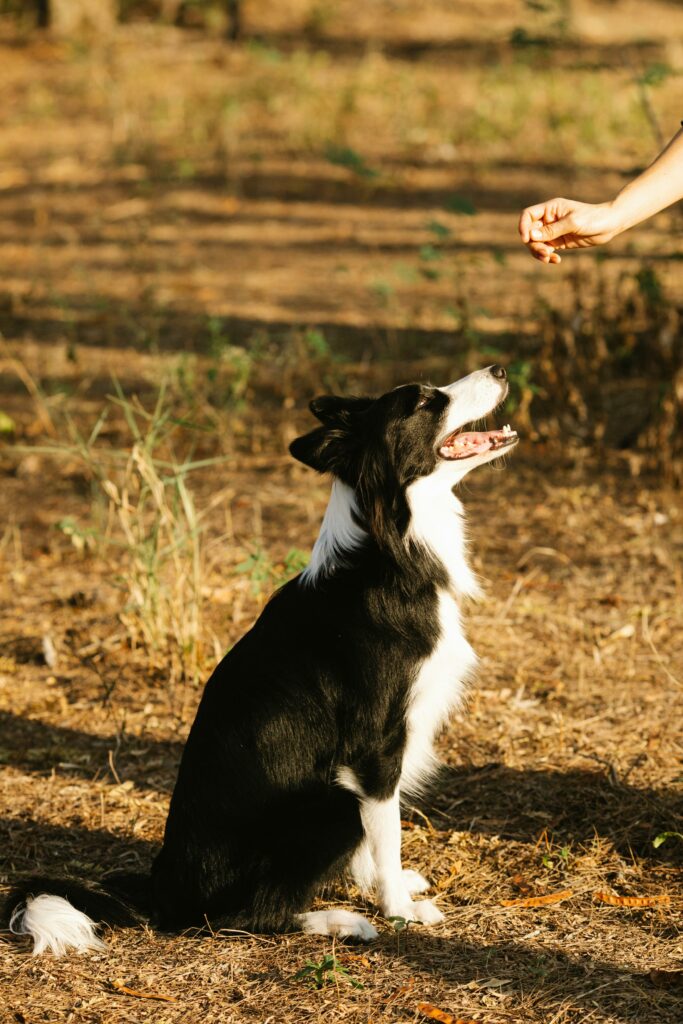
566,224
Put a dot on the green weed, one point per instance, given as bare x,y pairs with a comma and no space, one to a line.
663,836
327,970
147,524
264,574
344,156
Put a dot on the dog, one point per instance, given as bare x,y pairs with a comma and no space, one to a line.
323,716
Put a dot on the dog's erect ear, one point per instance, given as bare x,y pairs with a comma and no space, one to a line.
333,447
313,449
335,408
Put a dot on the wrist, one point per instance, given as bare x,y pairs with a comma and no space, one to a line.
635,203
617,215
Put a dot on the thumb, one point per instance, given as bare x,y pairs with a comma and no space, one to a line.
547,232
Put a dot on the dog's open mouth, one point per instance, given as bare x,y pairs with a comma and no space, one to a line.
465,444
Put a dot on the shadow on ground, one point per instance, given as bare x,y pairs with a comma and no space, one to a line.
551,978
36,747
574,805
34,847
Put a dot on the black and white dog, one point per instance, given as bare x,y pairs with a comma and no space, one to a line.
323,716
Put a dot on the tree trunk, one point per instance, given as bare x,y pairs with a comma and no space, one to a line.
73,17
235,19
43,13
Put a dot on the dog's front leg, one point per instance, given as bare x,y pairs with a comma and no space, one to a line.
382,826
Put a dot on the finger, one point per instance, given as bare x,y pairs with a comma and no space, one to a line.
524,226
540,255
529,216
548,232
541,248
548,258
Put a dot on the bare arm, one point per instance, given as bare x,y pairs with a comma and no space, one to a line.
568,224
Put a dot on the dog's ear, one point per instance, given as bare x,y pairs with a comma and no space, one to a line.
335,408
313,449
333,447
328,449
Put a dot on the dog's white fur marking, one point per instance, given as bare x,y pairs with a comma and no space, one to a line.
362,868
55,926
339,533
342,923
437,690
415,882
347,779
364,873
437,523
471,398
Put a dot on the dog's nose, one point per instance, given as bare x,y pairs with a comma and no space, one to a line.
498,371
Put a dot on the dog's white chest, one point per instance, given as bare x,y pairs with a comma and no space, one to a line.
436,691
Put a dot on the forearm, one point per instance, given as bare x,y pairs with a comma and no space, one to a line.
660,185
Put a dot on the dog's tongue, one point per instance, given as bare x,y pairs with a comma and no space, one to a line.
474,442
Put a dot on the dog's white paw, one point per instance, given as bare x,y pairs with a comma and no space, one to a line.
415,882
342,923
423,911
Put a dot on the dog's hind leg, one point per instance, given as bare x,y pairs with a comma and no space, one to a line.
308,843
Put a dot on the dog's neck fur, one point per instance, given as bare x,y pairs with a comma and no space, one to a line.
340,534
436,524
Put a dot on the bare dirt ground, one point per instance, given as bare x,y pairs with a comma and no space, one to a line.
251,225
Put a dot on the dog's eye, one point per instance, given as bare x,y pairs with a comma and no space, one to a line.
422,401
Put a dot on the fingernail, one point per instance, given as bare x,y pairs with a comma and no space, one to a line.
537,234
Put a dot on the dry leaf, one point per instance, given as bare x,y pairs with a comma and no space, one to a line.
359,958
539,901
434,1013
445,883
402,990
120,987
520,883
631,901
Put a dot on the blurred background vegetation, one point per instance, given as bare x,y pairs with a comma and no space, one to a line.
315,193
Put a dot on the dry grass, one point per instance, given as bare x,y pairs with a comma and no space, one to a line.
560,773
177,218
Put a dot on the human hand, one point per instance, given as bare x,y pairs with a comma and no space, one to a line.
566,224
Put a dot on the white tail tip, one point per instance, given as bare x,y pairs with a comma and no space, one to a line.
55,926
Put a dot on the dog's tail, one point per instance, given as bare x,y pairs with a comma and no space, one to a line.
61,915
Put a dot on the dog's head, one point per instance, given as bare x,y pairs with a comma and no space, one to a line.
379,447
407,433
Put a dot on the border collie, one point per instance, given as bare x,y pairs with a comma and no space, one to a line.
323,716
